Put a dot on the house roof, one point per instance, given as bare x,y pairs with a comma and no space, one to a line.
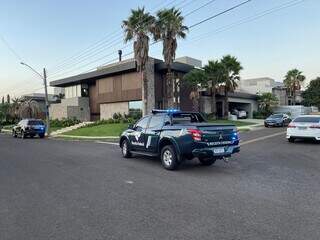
116,68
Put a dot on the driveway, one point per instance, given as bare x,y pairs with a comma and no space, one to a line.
54,189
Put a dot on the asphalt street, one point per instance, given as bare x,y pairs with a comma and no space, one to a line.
56,189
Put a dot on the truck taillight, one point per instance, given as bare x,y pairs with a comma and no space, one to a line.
317,126
291,125
196,134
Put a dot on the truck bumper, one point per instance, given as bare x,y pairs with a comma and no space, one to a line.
216,152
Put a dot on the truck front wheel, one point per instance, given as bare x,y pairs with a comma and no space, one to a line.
169,158
207,161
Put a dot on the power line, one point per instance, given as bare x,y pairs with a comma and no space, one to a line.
99,43
197,9
14,52
220,13
196,24
249,19
57,72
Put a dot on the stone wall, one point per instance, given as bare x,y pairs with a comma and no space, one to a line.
77,107
108,109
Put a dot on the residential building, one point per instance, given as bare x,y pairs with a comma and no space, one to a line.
116,88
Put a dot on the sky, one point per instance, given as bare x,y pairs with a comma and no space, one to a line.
74,36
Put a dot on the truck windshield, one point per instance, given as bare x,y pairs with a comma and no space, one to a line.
182,118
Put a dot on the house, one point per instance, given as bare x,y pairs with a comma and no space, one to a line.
117,88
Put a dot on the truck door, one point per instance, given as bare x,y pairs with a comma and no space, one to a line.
153,132
137,137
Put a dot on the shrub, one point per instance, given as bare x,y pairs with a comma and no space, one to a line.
65,122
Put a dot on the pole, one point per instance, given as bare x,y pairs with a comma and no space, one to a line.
47,100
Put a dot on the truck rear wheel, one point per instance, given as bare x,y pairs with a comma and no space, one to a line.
207,161
169,158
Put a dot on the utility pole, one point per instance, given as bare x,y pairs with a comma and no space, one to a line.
44,77
47,100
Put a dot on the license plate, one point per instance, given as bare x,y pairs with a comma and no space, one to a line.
218,150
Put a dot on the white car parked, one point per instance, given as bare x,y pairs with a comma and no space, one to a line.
304,127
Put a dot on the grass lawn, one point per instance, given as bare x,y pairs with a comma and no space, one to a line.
53,129
114,129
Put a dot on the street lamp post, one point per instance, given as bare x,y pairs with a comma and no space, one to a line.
44,78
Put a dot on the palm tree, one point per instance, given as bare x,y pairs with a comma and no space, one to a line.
231,69
266,102
214,71
138,27
292,81
29,109
197,79
169,27
14,107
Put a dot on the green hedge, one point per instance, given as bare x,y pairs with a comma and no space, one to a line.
65,122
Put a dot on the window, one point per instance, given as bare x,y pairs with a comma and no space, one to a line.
156,121
35,122
142,124
308,119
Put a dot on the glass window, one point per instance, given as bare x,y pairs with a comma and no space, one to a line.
35,122
308,119
156,121
142,124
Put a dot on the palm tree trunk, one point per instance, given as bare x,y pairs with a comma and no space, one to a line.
293,97
213,103
226,104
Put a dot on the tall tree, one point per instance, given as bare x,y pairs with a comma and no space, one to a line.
29,109
292,81
197,79
214,71
311,96
138,27
169,27
2,100
208,77
266,102
231,70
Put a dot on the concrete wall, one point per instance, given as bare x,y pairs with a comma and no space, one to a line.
77,107
108,109
256,85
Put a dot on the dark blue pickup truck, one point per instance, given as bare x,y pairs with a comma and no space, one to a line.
175,135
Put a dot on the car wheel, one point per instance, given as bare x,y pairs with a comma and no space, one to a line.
22,134
207,161
266,125
41,135
169,158
14,134
125,149
291,140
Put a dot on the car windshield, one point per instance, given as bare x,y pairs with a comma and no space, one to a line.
308,119
180,118
35,122
276,116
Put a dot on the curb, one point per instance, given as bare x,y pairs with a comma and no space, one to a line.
84,137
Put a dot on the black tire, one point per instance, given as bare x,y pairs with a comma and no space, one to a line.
14,134
207,161
266,125
22,134
291,140
41,135
125,149
169,158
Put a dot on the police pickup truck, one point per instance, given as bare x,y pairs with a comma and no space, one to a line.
175,135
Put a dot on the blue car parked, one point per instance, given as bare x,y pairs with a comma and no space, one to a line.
29,128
